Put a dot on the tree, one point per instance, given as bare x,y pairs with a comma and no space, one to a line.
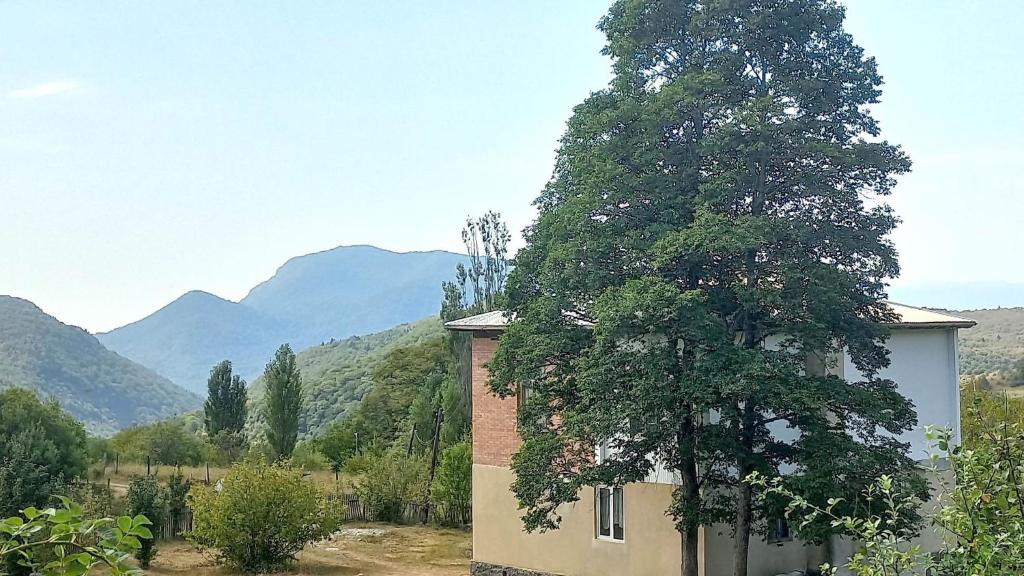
284,401
146,499
224,408
705,245
42,444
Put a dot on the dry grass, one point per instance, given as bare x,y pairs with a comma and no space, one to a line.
396,551
119,479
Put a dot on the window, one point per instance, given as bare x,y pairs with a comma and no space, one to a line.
779,532
610,524
522,395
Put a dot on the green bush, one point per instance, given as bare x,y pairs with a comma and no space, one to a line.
167,442
452,491
145,498
307,457
391,481
176,497
262,515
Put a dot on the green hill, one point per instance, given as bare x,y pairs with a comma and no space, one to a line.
336,376
98,387
995,343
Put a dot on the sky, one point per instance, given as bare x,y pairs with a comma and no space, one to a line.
148,149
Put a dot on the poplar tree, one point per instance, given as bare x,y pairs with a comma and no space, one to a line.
283,402
713,240
224,409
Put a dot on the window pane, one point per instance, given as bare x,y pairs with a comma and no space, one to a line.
604,512
617,522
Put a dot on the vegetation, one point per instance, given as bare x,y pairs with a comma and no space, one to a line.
704,240
995,344
96,386
41,446
61,541
224,408
284,401
390,483
261,516
145,498
166,442
336,376
453,487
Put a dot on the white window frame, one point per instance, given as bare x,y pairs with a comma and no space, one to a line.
611,513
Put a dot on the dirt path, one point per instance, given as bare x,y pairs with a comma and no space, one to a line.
367,550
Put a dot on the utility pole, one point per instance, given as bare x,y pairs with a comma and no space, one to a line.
412,435
435,445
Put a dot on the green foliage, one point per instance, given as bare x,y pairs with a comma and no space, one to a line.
284,401
479,287
175,497
96,386
228,447
307,457
62,541
337,376
166,442
224,408
453,485
885,546
41,444
716,225
146,499
390,482
262,515
984,509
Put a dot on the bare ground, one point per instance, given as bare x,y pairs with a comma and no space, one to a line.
365,549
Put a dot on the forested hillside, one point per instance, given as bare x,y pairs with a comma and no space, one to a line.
337,375
98,387
995,343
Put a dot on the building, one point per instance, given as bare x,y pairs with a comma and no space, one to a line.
625,531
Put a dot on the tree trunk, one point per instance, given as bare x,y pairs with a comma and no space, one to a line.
689,530
743,515
688,539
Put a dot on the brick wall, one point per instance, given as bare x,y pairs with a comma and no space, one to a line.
494,419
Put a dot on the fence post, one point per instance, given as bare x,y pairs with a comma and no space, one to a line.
207,473
412,435
117,460
147,465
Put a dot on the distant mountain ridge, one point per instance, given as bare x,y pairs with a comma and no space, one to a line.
102,389
995,343
334,294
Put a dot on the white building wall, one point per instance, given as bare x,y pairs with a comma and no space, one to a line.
924,365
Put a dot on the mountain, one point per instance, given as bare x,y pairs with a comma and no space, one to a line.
311,299
995,343
971,295
184,339
336,376
100,388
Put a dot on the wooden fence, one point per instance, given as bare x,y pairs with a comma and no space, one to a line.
351,509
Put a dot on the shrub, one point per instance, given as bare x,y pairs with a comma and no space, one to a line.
176,496
63,541
391,481
452,491
306,456
146,499
261,517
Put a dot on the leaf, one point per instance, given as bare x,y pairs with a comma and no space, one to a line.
124,523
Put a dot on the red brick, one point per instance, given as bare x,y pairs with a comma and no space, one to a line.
495,438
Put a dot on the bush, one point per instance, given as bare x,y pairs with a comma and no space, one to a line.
306,456
452,491
391,481
146,499
176,496
261,517
166,442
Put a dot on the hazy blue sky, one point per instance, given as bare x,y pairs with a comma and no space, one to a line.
147,149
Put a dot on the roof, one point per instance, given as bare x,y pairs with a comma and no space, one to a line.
910,317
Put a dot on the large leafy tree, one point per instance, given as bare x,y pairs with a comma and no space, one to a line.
712,241
283,401
224,408
40,445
